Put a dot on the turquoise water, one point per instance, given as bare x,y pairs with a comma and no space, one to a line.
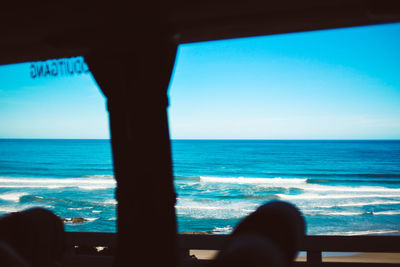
342,187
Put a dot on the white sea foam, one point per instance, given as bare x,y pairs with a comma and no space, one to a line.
334,196
367,232
110,202
9,209
363,189
301,183
247,180
223,230
91,219
14,196
335,213
52,183
80,208
389,212
99,176
200,207
219,215
360,204
214,209
311,212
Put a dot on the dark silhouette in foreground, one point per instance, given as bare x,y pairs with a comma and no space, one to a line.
267,237
33,238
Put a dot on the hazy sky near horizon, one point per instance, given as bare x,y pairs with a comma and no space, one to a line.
332,84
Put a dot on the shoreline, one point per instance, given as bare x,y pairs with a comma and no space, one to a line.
362,257
356,257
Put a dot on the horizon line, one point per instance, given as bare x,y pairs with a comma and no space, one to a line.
220,139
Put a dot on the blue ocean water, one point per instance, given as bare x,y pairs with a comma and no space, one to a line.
341,187
73,178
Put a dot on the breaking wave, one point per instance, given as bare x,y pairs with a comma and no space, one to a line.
87,183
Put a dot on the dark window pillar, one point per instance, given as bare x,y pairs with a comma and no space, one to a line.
135,84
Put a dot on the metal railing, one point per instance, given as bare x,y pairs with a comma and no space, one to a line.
84,253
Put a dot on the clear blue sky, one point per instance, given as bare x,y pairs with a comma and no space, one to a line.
334,84
62,107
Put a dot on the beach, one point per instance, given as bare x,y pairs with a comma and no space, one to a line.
354,257
366,257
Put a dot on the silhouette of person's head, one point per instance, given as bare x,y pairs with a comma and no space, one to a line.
269,236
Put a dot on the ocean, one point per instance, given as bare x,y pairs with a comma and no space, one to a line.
345,187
